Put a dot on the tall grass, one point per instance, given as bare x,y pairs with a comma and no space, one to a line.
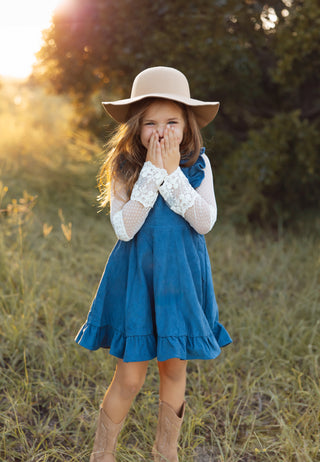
259,401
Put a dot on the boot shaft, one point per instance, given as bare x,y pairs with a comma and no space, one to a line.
168,430
106,439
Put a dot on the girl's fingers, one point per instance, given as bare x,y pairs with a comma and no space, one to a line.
172,146
158,154
151,153
153,143
154,151
167,140
170,150
148,156
173,139
158,148
163,148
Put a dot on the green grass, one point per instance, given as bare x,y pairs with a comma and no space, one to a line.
259,401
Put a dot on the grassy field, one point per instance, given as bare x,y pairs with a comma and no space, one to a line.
259,401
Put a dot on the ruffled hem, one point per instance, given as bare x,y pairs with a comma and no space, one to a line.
147,347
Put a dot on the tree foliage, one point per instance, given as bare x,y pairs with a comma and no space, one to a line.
261,60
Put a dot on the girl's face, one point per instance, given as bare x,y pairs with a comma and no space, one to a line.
159,115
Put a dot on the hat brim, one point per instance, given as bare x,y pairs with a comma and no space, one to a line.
204,112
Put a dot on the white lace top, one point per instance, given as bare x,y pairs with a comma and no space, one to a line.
196,206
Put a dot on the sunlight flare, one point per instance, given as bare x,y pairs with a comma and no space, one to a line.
21,25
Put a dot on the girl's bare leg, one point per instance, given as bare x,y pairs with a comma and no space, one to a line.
126,384
173,382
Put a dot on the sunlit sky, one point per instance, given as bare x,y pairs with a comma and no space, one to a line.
21,23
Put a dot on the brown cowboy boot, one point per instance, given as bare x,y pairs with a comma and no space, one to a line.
106,439
169,424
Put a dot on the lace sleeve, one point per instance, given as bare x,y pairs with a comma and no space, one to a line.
128,214
146,188
197,206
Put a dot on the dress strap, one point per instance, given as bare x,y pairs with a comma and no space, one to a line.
195,173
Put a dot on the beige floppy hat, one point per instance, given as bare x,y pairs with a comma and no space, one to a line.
162,82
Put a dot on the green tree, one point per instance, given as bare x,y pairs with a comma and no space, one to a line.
279,162
220,45
260,60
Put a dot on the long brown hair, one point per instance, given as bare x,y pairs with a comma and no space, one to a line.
126,154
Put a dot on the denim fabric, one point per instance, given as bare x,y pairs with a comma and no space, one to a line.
156,297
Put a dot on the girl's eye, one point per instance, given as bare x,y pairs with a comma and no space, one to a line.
172,122
149,123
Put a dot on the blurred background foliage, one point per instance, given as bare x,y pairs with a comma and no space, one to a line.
260,60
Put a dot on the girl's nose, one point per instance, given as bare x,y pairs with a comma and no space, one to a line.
161,131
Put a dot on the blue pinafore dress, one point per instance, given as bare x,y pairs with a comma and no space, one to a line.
156,297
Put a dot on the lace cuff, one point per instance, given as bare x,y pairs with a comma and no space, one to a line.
178,192
146,187
119,227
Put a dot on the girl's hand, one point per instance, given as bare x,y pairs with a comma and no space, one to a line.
154,151
170,150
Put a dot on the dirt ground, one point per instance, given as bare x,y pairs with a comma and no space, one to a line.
204,455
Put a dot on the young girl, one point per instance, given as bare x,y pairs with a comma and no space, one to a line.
156,297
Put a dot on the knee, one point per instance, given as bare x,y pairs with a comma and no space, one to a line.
173,370
130,385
